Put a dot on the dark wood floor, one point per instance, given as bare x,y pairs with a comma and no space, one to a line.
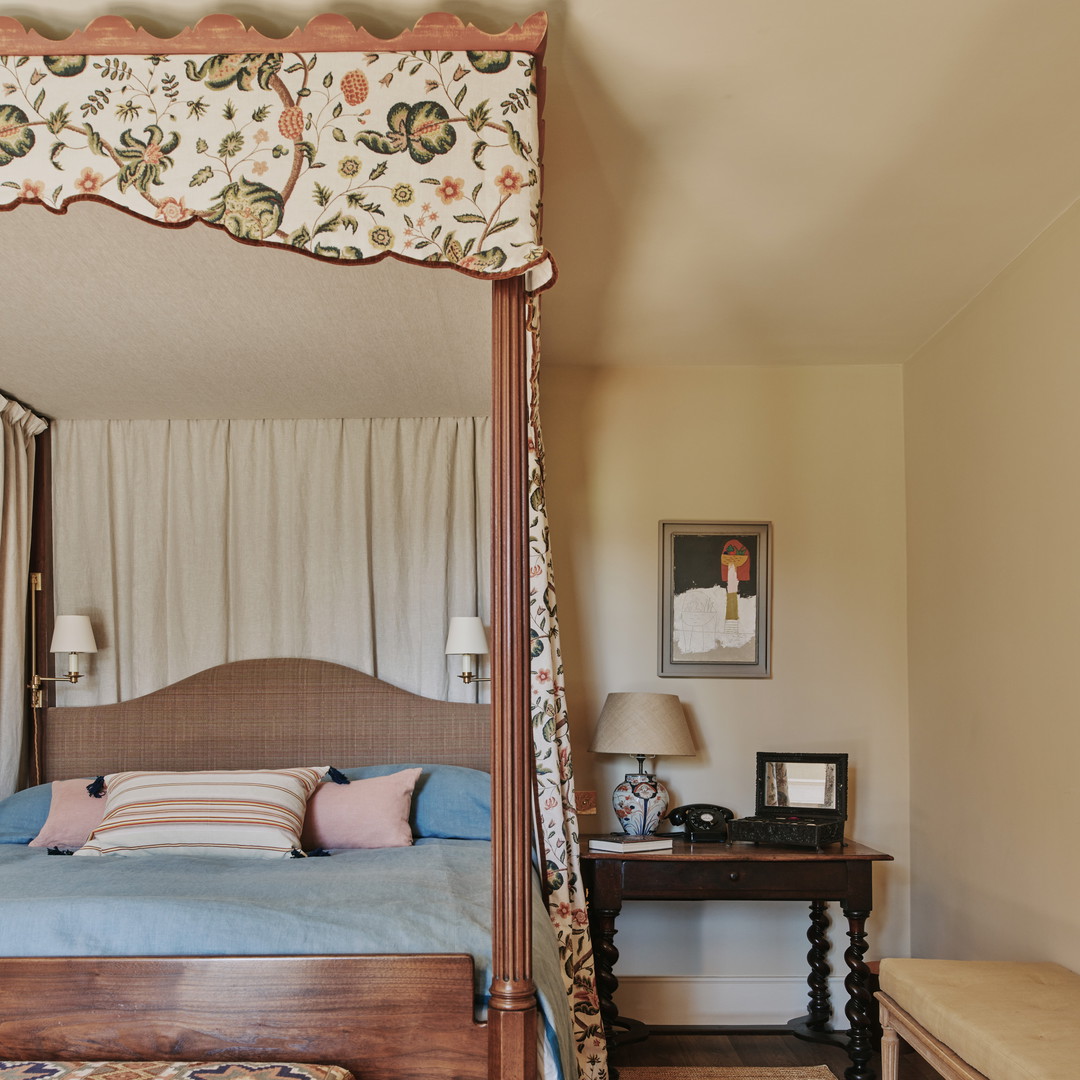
692,1047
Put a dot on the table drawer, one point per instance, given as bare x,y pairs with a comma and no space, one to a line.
722,880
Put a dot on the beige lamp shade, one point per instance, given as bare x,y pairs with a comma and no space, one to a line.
73,634
643,725
466,636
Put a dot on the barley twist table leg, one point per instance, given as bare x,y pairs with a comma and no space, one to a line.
606,955
819,1010
860,1005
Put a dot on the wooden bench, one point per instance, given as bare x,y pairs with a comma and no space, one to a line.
982,1020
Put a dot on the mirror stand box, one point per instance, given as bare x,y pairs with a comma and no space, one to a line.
801,801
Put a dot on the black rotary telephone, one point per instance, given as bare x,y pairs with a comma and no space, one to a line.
702,821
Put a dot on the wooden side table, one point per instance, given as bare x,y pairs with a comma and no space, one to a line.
747,872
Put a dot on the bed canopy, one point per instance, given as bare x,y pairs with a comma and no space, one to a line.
345,147
234,129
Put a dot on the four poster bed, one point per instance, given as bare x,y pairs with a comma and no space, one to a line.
408,103
369,1013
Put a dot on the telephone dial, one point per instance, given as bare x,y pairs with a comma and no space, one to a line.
702,821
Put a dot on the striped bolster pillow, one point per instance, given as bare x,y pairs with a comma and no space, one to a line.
256,812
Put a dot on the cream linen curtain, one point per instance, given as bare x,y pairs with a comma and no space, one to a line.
18,430
192,543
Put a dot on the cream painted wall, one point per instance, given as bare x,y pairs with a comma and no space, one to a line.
817,451
994,585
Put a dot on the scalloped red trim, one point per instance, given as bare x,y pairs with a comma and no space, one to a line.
228,34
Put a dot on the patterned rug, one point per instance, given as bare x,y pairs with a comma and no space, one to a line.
790,1072
168,1070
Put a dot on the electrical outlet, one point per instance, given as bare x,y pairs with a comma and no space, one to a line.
586,801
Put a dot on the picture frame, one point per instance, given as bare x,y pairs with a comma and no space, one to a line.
715,599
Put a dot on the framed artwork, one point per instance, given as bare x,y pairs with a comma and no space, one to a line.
715,599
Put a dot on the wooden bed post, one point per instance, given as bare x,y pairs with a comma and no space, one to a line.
512,1008
40,597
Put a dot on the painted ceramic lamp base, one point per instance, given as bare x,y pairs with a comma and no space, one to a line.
640,803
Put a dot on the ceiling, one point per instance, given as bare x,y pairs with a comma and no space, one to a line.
797,181
726,181
108,318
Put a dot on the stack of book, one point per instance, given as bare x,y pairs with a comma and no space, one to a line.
623,842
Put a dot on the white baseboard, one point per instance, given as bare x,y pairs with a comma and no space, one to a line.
713,1000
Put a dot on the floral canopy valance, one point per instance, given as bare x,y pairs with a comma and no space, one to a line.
331,142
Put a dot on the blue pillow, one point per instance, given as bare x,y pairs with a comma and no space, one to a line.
23,814
449,801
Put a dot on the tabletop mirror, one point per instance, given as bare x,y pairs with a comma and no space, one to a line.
814,783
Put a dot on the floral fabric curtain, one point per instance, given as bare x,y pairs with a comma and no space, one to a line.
557,816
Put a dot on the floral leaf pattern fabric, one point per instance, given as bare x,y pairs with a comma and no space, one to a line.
432,156
554,768
16,137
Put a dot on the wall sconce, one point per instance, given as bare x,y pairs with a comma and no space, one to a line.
641,725
72,634
467,640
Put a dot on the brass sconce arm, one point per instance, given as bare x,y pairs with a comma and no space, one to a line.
468,677
34,685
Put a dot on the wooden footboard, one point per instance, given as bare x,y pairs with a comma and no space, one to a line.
382,1017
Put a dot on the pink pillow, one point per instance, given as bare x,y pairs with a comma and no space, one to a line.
73,816
372,813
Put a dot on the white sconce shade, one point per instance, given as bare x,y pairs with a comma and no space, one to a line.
466,637
73,634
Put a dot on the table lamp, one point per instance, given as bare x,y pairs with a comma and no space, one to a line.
641,725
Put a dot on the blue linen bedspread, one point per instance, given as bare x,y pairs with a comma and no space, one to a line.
429,898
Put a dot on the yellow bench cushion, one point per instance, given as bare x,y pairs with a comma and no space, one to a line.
1009,1020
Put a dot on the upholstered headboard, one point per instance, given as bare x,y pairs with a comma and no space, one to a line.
265,714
